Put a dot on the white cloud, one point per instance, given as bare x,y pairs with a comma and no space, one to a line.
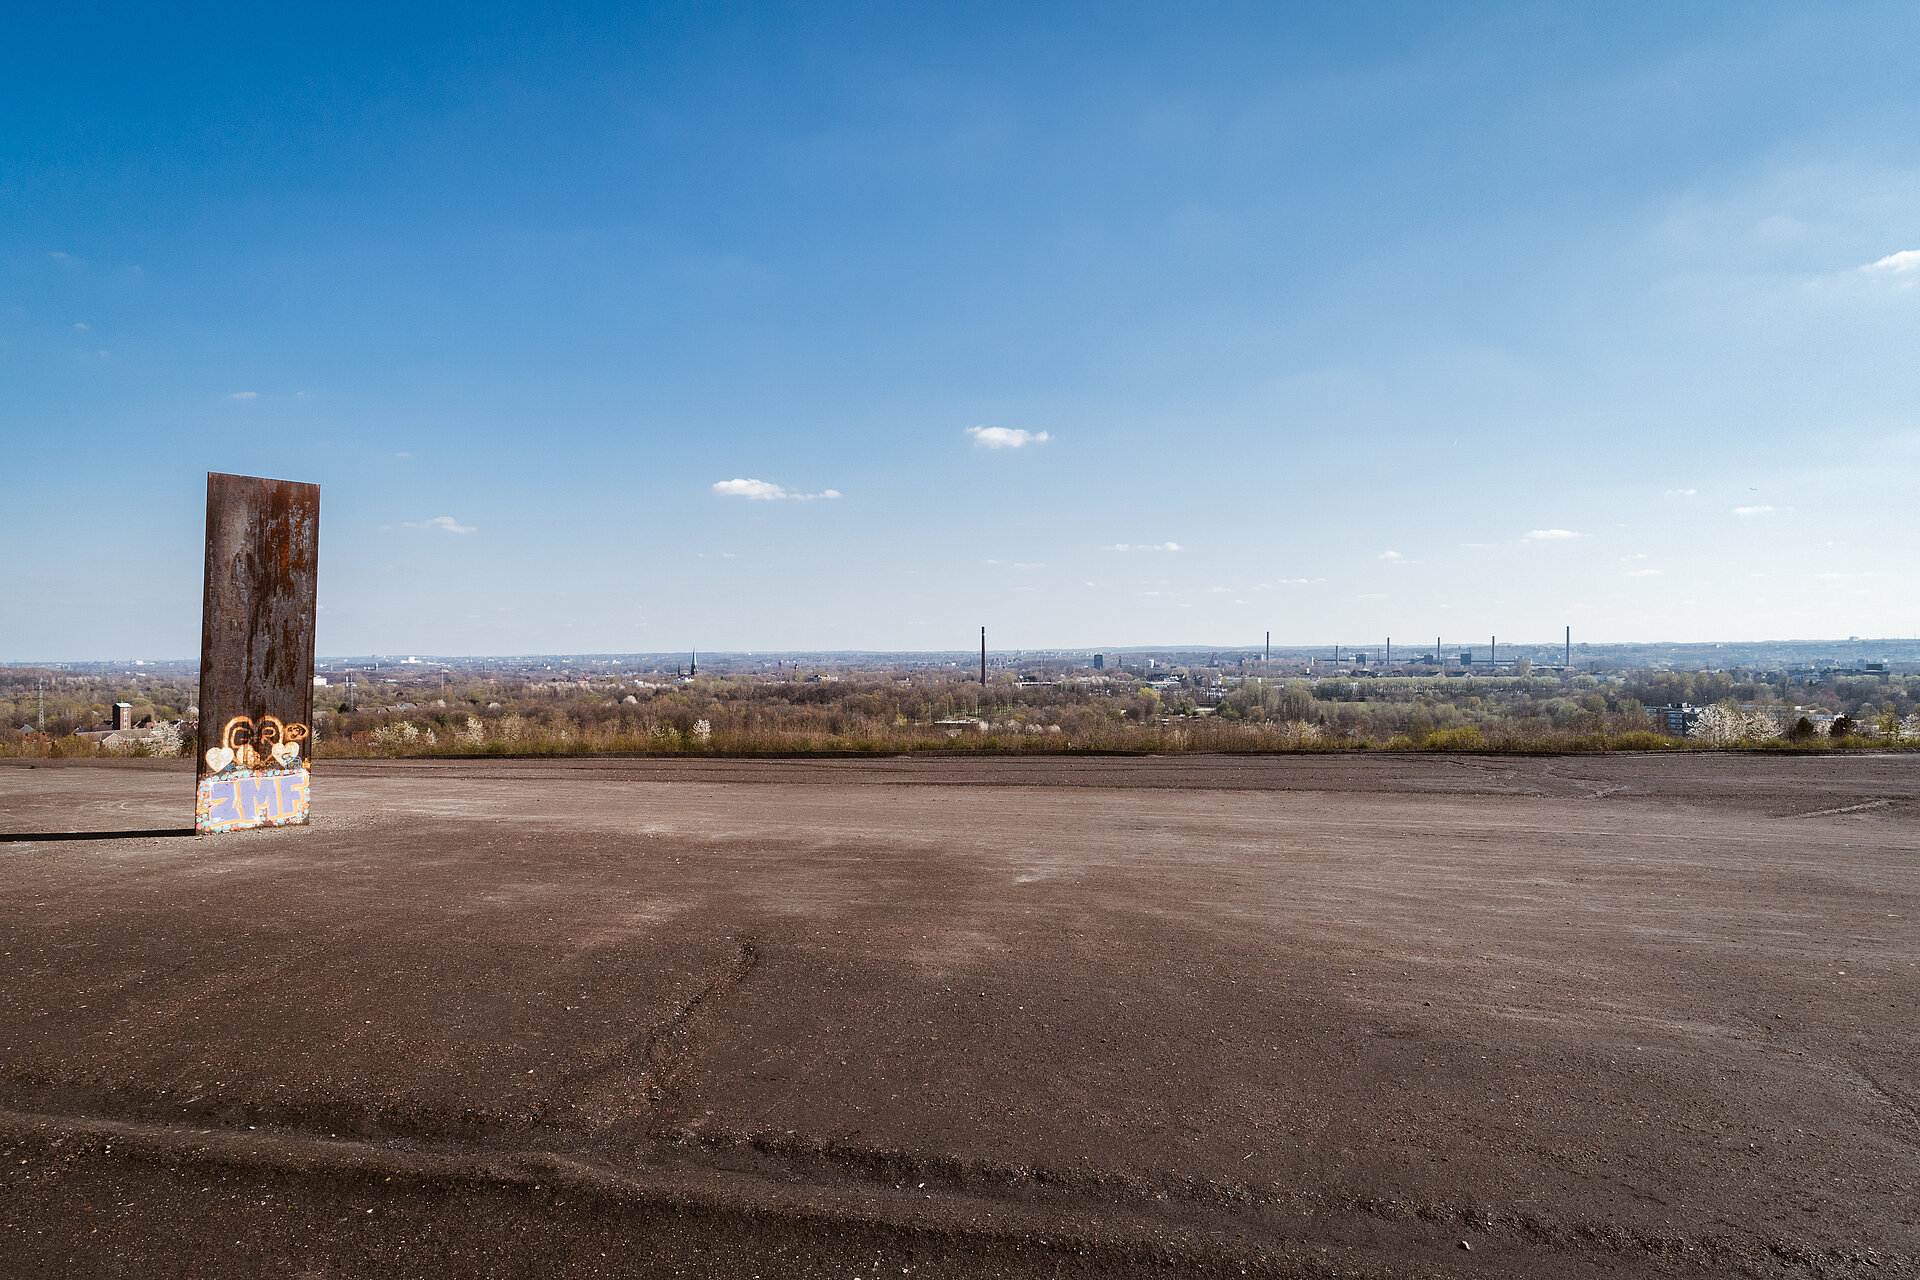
1549,535
766,491
1643,573
1375,595
1897,263
1753,511
1391,555
81,325
244,395
1682,493
1006,437
446,524
762,489
1142,546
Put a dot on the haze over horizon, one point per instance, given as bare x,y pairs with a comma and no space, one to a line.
636,329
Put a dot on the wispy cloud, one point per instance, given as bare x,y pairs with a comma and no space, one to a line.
1548,535
1643,573
1372,595
766,491
1682,493
1142,546
1754,511
1902,263
1391,555
446,524
243,395
1006,437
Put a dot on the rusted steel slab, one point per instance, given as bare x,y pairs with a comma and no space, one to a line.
256,653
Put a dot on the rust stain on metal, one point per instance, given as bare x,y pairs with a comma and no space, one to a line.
256,652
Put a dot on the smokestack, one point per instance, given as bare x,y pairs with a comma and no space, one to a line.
983,658
1569,648
1389,661
1269,646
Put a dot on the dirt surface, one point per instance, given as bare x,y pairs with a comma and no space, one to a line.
1311,1015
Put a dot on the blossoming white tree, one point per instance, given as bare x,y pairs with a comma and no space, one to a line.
1725,725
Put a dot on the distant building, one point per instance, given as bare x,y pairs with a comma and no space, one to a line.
319,682
122,715
1099,662
1675,718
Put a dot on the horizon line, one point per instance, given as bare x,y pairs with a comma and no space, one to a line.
1294,649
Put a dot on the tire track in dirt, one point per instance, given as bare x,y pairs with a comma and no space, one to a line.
652,1059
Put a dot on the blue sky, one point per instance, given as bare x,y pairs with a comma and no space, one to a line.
1099,325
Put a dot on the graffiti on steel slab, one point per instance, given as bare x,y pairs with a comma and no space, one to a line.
256,777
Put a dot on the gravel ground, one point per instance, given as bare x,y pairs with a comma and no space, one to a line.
1313,1015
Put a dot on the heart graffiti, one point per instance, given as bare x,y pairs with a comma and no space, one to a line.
257,746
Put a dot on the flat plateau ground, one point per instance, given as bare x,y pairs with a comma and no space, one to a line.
1311,1015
